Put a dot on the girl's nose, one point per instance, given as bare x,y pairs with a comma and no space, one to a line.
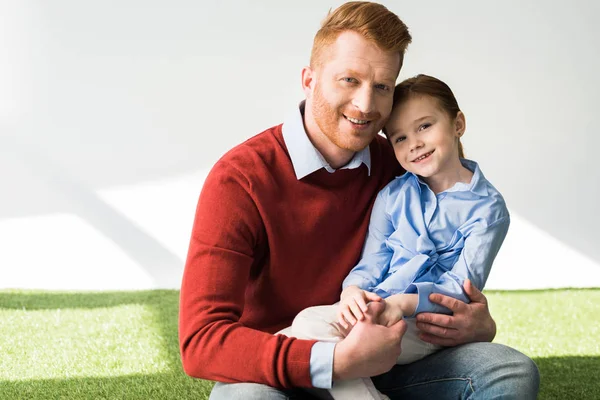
415,144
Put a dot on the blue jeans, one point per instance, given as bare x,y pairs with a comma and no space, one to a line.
471,371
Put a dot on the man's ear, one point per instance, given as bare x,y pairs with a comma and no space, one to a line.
308,81
460,124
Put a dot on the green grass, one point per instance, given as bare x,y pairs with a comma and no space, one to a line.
123,345
106,345
560,330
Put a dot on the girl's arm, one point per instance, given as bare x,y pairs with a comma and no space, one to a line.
376,255
474,263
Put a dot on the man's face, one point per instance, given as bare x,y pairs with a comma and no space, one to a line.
353,89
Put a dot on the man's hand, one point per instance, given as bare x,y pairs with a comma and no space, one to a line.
470,322
369,349
353,305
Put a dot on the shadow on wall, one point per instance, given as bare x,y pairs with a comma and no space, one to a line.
38,185
146,99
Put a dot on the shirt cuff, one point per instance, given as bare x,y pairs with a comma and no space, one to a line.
423,302
321,364
424,289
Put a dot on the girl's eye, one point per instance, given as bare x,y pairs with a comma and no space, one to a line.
400,139
424,126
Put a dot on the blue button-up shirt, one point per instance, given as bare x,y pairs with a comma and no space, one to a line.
420,242
306,159
438,240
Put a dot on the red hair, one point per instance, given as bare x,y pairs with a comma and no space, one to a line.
371,20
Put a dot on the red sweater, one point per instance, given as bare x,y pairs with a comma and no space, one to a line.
265,246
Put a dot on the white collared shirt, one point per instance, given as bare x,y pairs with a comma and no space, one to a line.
306,159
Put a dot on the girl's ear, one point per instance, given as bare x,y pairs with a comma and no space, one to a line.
460,124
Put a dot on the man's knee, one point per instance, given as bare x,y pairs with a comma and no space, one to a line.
245,391
526,375
504,371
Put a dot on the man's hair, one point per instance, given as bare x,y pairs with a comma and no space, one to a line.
371,20
425,85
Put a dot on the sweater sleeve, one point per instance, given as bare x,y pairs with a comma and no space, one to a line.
214,344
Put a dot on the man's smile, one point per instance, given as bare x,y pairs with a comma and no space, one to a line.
357,121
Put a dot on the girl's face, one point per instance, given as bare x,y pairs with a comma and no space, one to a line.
425,137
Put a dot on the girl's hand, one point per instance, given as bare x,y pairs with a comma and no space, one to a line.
353,305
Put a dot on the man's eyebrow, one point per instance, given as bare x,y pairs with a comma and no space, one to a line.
349,72
389,81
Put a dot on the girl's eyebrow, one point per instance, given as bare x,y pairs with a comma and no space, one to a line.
393,135
422,118
415,122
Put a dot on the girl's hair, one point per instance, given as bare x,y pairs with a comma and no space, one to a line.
425,85
372,21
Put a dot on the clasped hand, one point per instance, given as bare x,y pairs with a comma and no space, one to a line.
368,348
353,307
469,322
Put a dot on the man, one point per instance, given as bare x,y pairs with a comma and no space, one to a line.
280,222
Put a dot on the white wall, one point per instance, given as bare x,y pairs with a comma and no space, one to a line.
112,112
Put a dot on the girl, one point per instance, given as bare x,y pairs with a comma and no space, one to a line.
431,229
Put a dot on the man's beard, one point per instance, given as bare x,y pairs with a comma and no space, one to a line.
328,120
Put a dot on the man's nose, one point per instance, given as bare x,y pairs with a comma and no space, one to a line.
363,99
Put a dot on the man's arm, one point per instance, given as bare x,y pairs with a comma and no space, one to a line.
214,344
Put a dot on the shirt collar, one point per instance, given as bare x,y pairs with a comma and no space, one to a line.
477,185
478,182
306,159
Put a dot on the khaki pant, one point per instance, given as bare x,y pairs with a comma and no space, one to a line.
317,323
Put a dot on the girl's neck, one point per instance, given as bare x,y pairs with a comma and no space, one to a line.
449,177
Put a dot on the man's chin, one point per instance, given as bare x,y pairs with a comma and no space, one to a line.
357,144
356,147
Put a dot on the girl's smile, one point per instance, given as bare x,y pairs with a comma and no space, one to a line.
425,139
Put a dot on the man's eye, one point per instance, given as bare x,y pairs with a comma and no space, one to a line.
350,80
383,87
424,126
